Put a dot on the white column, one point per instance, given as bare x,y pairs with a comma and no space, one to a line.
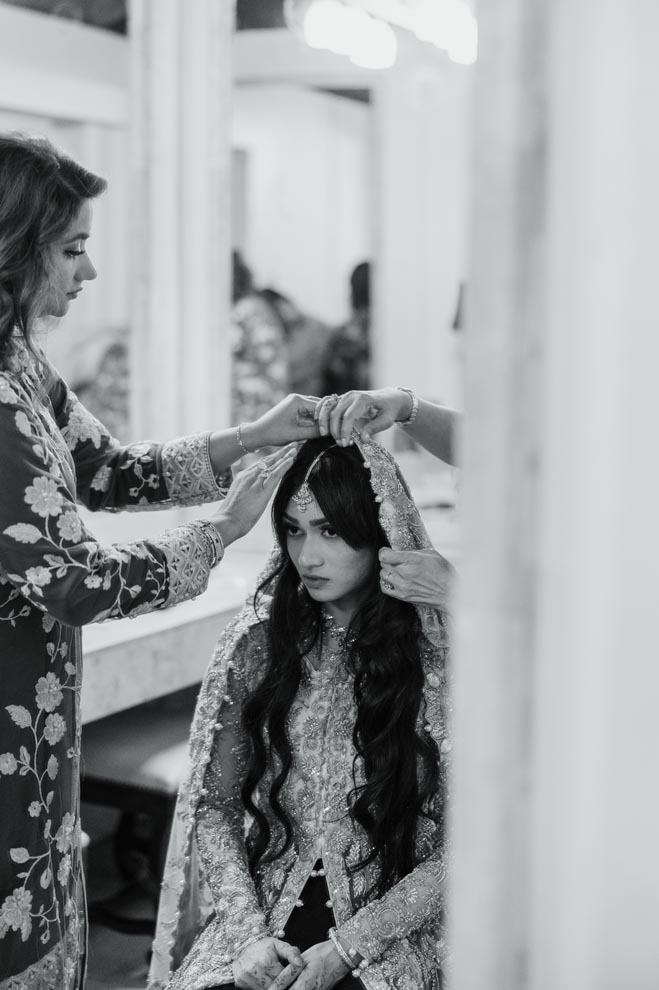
556,815
180,124
596,822
420,204
499,495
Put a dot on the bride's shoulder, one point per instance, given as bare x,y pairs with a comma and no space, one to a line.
249,633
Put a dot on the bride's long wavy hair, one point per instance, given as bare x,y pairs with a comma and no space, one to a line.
400,765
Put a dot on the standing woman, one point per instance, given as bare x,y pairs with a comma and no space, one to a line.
54,576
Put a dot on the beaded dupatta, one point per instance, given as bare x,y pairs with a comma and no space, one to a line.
186,903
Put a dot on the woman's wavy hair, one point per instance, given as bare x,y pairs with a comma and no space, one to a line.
41,192
400,765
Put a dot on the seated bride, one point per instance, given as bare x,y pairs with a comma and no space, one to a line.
308,846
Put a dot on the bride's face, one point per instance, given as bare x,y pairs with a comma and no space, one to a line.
331,570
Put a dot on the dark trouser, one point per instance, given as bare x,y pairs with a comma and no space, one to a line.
310,924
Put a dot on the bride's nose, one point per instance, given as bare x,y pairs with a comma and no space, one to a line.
310,554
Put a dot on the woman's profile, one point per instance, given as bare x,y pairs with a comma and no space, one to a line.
308,848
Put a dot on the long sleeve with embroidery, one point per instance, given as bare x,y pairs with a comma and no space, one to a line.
413,902
136,476
221,831
54,453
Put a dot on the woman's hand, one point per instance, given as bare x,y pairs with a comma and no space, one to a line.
422,577
291,419
250,493
366,412
261,962
323,969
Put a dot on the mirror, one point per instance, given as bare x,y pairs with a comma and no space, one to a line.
303,237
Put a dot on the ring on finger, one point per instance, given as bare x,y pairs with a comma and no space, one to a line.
386,583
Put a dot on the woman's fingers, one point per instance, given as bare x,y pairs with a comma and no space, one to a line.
388,584
295,964
273,467
366,412
289,952
323,411
283,452
287,977
422,577
393,557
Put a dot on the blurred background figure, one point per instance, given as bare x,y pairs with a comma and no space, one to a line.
348,349
306,344
259,369
105,390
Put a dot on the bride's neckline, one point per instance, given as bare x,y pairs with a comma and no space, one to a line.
331,631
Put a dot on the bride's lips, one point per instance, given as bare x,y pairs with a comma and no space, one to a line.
313,581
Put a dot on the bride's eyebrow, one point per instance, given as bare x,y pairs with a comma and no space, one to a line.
320,521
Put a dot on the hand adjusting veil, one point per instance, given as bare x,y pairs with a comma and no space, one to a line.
186,903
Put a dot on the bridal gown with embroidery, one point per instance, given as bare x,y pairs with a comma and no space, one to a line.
213,906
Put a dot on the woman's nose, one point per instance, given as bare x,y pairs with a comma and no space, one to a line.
309,555
86,271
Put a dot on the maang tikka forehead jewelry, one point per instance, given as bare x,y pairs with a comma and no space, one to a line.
303,496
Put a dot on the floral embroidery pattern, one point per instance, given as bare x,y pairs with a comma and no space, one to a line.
40,732
54,577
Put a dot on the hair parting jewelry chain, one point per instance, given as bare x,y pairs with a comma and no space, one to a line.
303,496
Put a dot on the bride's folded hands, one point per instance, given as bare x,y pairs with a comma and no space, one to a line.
263,961
323,970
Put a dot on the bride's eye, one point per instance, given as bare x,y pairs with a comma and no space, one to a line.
329,532
291,530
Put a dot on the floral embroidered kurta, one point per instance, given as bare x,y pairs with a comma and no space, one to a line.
54,578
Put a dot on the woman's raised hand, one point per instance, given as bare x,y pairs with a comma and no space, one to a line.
250,493
323,969
291,419
365,412
422,577
261,962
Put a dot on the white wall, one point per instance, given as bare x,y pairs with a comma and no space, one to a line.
307,187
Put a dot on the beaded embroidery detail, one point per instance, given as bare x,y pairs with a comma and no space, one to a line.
400,935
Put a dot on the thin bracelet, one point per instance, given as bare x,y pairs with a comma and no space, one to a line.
336,942
240,440
415,406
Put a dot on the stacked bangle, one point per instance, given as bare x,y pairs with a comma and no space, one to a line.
213,545
415,406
